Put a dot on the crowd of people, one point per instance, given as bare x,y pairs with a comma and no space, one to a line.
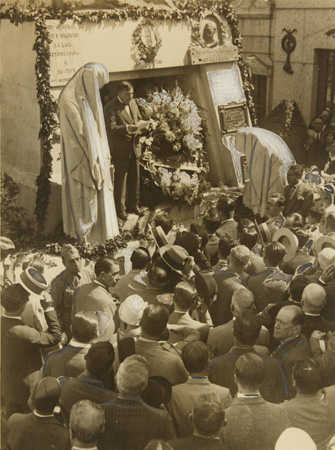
219,338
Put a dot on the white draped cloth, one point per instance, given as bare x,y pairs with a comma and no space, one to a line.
268,161
87,190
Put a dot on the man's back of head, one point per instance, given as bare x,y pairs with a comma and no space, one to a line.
195,357
307,376
246,328
100,359
226,206
154,321
313,299
140,258
274,253
249,372
239,258
208,415
87,423
184,295
132,376
242,300
85,326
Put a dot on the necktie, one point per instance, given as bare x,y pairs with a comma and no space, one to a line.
292,192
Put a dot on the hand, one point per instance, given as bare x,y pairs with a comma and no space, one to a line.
328,274
131,129
318,335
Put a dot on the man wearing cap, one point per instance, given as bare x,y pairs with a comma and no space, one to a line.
64,285
39,430
95,296
20,356
298,196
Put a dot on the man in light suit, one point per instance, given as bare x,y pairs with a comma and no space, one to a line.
121,117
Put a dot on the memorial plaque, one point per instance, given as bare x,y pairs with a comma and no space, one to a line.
200,55
65,51
233,117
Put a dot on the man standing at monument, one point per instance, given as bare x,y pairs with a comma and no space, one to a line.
122,118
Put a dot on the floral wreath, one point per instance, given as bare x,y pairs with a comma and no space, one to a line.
145,53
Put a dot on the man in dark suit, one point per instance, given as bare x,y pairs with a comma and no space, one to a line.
122,116
298,196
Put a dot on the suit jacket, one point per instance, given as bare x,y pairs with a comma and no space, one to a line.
288,353
161,362
220,310
273,388
122,144
228,226
67,362
197,443
253,424
131,424
264,290
29,432
301,201
299,259
221,340
184,397
312,323
20,355
315,414
83,388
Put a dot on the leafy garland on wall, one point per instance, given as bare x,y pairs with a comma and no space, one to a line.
185,10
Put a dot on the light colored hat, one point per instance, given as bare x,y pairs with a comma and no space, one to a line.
131,310
324,242
289,240
69,251
33,281
159,236
263,232
175,257
6,244
295,439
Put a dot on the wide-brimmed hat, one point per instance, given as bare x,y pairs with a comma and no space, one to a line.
159,236
6,244
206,286
323,242
46,395
131,310
33,281
289,240
175,257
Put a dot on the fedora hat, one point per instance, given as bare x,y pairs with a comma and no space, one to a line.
289,240
33,281
6,244
263,232
159,236
46,395
206,287
323,242
175,257
325,132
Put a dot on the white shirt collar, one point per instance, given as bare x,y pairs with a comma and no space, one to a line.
42,415
75,343
12,317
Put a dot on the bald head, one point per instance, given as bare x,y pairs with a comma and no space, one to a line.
242,300
313,298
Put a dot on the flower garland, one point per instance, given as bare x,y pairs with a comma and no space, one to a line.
185,10
145,53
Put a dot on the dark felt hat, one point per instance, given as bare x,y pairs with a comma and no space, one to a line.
45,395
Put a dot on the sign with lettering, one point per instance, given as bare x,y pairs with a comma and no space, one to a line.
203,55
65,51
233,117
